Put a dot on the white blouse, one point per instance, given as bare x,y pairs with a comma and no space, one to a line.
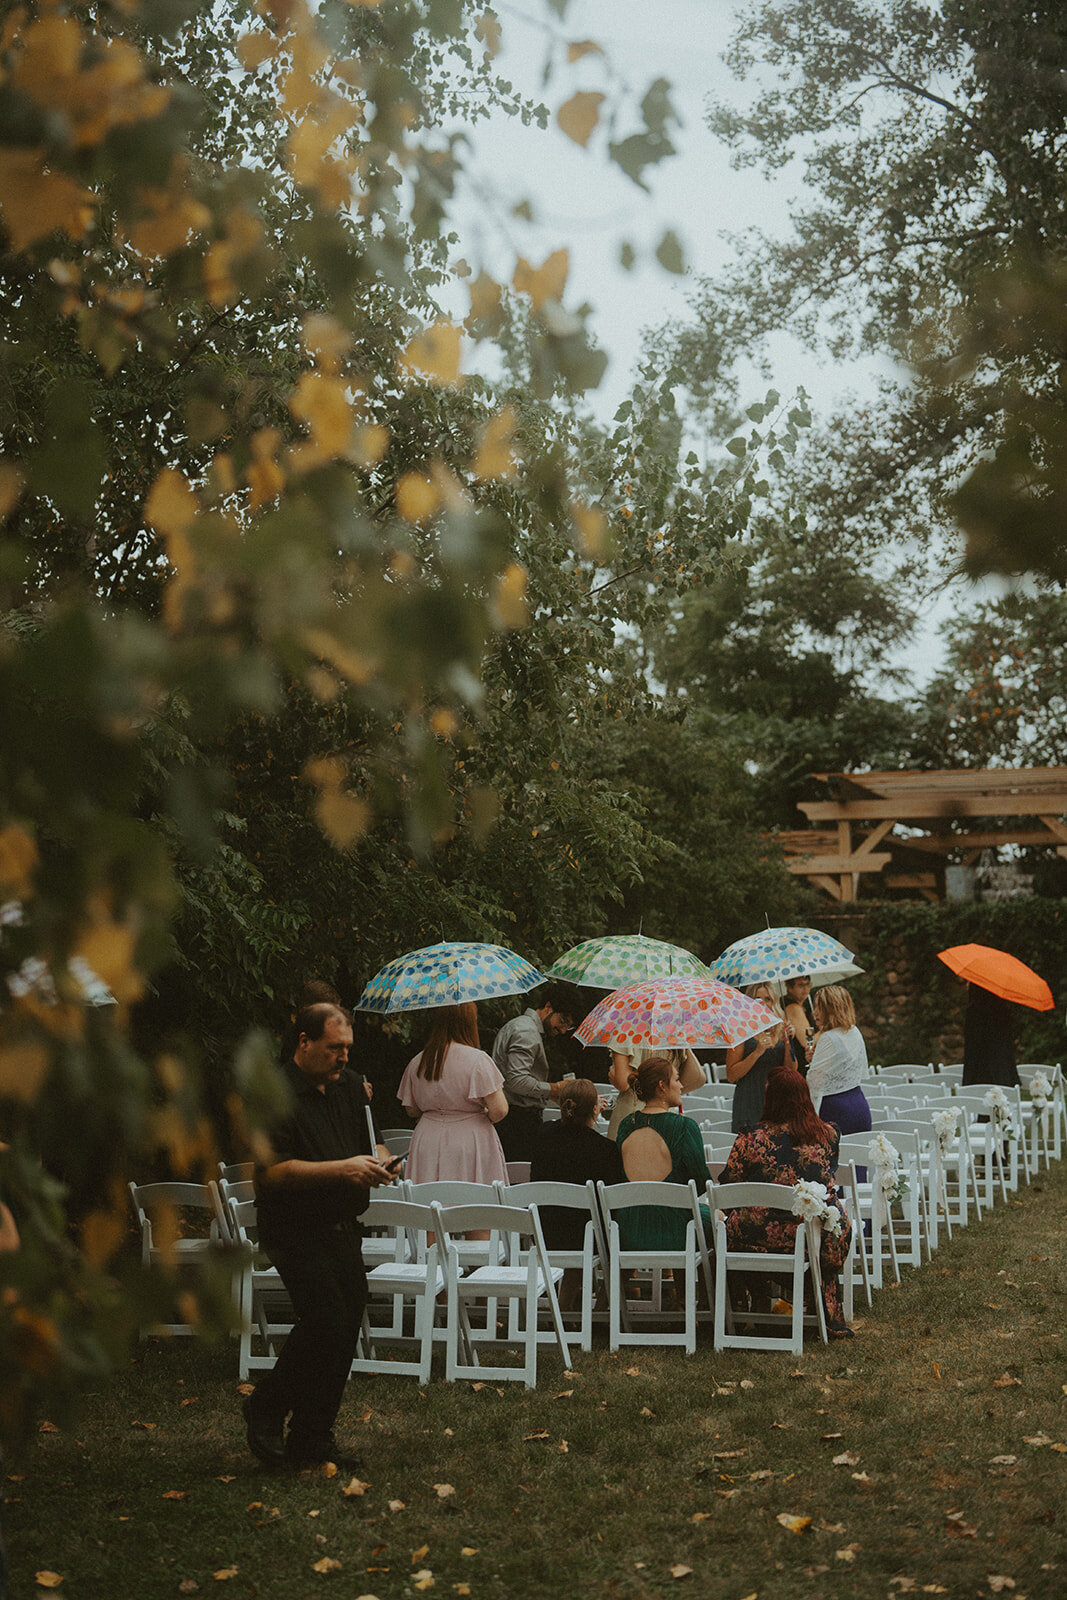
839,1062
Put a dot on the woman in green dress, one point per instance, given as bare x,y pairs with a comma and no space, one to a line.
658,1145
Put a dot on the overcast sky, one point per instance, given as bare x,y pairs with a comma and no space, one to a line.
581,201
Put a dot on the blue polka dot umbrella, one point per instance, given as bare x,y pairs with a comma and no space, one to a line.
618,959
447,975
778,954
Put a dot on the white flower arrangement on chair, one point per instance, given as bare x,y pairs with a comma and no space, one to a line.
886,1160
997,1102
1040,1091
811,1202
945,1125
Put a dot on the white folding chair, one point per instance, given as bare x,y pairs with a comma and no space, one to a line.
236,1172
591,1260
912,1136
855,1149
615,1200
799,1265
413,1274
515,1272
1053,1118
159,1209
847,1183
263,1302
985,1141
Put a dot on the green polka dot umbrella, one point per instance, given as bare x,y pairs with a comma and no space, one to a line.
618,959
447,975
667,1013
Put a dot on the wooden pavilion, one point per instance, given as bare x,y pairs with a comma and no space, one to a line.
907,826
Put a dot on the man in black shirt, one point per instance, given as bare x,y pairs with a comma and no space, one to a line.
309,1200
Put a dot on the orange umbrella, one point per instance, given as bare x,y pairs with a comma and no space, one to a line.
1000,973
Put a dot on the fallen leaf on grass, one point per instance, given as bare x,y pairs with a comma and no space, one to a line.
188,1586
563,1447
469,1550
246,1388
223,1573
1036,1439
747,1383
314,1513
799,1373
757,1477
192,1401
830,1527
861,1477
50,1427
957,1528
905,1585
727,1455
794,1524
327,1564
1006,1461
226,1477
845,1459
354,1486
633,1372
542,1433
145,1425
564,1394
1006,1381
461,1588
700,1516
680,1570
443,1490
420,1553
848,1553
423,1579
48,1580
998,1582
825,1438
647,1412
449,1434
1060,1449
934,1588
781,1425
396,1505
726,1494
174,1494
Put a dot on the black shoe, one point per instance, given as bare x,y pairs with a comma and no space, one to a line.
265,1440
307,1459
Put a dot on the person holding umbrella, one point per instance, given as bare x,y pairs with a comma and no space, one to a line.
996,981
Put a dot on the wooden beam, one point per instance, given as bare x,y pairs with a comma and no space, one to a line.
911,880
829,884
876,835
1056,826
925,803
941,843
804,866
989,780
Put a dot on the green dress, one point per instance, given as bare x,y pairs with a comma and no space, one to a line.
650,1227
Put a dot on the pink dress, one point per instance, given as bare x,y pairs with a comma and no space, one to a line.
453,1137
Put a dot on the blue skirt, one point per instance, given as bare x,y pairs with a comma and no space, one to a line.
849,1111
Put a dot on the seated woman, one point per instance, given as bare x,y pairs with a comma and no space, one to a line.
659,1146
622,1075
791,1143
839,1062
571,1151
750,1064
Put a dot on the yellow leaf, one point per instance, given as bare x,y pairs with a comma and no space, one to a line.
443,1490
358,667
170,218
510,608
35,201
321,403
700,1516
18,858
355,1486
485,297
461,1588
546,282
255,48
10,488
1006,1381
579,115
434,354
469,1550
680,1570
847,1554
794,1524
423,1579
327,1564
416,497
495,457
593,530
845,1459
582,47
417,1555
344,818
48,1580
109,948
998,1582
370,444
174,1494
487,29
223,1573
171,505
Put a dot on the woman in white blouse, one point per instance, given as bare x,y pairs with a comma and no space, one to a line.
839,1062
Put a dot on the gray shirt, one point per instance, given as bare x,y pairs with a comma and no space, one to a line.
519,1052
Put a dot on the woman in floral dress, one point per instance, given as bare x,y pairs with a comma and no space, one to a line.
790,1143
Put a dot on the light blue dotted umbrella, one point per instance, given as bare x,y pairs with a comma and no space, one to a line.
447,975
777,954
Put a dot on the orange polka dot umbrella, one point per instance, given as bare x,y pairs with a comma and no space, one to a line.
666,1013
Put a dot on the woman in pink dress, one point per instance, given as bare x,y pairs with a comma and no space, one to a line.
457,1093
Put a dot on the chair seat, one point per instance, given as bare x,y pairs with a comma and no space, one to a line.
486,1280
393,1276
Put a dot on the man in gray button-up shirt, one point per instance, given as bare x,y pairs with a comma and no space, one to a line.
519,1052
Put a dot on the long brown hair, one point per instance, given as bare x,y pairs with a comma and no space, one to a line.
451,1025
787,1103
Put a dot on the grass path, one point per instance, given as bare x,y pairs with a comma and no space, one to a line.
951,1401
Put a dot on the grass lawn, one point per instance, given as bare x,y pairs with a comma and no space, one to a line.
647,1474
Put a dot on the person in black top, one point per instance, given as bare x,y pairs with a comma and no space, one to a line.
309,1200
571,1151
988,1040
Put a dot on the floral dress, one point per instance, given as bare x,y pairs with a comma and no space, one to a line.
768,1155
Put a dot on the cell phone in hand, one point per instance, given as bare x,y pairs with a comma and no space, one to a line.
394,1165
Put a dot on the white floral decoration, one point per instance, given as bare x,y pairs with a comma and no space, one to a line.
945,1125
997,1102
886,1160
1040,1091
811,1202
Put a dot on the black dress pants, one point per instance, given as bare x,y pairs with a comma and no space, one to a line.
519,1132
327,1285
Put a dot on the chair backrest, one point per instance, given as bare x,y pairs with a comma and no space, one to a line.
923,1126
452,1193
236,1189
174,1198
236,1171
243,1221
731,1196
855,1147
621,1196
717,1146
579,1197
502,1220
905,1071
409,1221
389,1134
